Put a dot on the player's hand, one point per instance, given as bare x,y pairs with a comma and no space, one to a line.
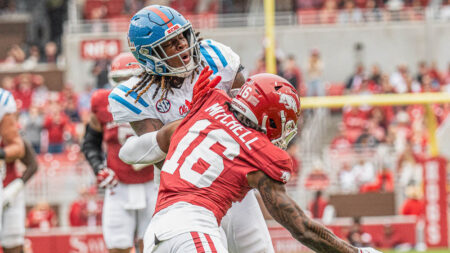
368,250
203,85
10,192
106,178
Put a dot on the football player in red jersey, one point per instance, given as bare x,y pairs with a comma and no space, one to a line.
130,193
12,148
13,232
222,149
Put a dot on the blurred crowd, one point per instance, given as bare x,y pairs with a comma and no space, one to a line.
29,56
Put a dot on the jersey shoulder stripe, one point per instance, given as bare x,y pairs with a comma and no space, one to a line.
218,52
208,59
7,103
216,55
125,108
133,94
125,103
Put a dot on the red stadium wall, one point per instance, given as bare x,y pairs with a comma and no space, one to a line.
85,240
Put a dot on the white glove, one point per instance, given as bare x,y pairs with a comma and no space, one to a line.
106,178
10,192
368,250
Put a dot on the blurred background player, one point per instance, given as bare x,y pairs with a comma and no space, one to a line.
172,57
130,194
12,147
221,150
13,217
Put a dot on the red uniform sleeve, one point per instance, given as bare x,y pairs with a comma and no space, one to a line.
273,161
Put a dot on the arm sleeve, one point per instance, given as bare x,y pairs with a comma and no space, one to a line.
92,149
274,162
142,149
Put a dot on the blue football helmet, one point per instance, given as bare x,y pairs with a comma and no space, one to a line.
150,28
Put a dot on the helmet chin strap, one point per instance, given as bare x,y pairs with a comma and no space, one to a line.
263,124
179,71
281,142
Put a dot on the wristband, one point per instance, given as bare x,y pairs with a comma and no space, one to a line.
2,153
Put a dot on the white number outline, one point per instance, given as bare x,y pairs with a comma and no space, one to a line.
203,151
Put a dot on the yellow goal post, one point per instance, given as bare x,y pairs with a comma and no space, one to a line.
425,99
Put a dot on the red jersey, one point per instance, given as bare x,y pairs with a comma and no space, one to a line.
212,157
11,172
114,136
55,127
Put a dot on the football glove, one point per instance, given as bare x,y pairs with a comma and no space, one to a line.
106,178
203,85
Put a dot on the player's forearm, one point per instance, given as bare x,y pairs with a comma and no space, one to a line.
14,150
30,162
165,134
142,149
146,126
151,144
312,234
92,148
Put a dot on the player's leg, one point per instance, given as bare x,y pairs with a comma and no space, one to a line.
13,232
118,224
144,216
191,242
245,227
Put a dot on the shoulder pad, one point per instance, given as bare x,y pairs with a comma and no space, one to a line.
125,108
7,103
222,60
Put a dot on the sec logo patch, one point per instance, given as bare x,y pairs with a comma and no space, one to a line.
163,105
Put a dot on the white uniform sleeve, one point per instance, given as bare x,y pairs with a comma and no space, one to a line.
125,108
222,61
7,103
142,149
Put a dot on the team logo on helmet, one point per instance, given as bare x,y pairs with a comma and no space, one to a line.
285,176
172,29
288,101
163,105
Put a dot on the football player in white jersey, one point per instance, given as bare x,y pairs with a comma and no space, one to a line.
12,145
166,46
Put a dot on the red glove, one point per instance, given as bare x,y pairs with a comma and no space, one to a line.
106,178
203,85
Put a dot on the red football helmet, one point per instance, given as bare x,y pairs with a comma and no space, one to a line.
123,66
271,102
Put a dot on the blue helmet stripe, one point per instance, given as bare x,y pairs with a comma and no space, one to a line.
209,59
7,98
1,94
133,94
125,103
217,51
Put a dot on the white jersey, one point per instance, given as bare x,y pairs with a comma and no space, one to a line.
220,59
7,103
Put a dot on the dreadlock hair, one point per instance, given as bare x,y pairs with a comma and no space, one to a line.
164,83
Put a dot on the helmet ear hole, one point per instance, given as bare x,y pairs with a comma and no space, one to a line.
278,87
272,123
